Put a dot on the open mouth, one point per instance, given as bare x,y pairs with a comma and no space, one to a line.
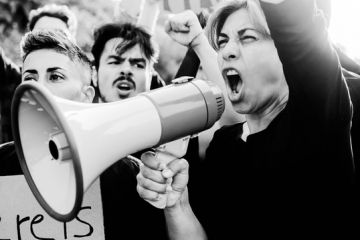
125,86
233,79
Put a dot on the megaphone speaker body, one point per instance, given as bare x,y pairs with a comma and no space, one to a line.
63,146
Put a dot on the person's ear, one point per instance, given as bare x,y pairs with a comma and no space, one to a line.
94,76
89,93
151,73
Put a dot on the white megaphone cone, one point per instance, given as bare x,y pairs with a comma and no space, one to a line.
63,146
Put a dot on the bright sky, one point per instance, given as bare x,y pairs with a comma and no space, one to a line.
345,25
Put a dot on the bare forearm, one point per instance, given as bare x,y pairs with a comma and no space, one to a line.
182,223
208,58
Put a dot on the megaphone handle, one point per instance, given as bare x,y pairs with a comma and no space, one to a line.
161,201
177,149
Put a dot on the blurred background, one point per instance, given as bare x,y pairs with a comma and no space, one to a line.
344,25
14,18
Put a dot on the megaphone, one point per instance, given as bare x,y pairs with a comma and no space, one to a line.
63,146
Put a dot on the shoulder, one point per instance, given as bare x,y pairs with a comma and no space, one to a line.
229,132
7,150
9,162
156,81
224,137
6,62
353,82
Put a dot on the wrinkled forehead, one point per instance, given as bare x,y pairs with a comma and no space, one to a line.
251,16
121,47
238,20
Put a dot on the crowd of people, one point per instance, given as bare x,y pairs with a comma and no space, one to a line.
284,155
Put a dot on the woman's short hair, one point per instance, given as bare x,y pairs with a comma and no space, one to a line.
58,41
226,8
61,12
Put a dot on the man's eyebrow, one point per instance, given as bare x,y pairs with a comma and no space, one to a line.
137,60
116,57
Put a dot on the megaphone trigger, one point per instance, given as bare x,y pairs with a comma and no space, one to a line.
163,158
176,148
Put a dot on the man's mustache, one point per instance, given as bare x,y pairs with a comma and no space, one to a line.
126,77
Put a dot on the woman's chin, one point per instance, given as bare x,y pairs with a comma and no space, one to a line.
234,97
239,106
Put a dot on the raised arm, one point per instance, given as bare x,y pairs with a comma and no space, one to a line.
310,62
185,28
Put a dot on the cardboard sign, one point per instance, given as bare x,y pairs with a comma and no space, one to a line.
21,216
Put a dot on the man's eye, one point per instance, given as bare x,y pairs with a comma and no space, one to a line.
140,65
56,77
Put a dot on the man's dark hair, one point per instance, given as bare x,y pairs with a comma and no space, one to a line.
56,40
131,35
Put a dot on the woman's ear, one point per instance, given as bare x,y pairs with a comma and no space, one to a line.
89,93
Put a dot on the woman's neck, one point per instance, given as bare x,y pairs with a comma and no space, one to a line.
260,121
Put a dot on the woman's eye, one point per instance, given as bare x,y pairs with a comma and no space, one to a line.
56,77
248,39
221,43
30,78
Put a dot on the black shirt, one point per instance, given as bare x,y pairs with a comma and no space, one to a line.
10,78
300,169
126,214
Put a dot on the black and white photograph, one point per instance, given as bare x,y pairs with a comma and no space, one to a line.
179,119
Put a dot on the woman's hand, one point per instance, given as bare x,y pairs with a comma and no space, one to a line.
162,179
184,28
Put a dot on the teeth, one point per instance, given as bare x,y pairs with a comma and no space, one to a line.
125,86
233,79
231,72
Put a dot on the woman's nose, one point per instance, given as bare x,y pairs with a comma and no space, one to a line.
231,51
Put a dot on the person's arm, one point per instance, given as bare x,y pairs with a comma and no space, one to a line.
153,181
347,62
185,29
182,222
310,62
